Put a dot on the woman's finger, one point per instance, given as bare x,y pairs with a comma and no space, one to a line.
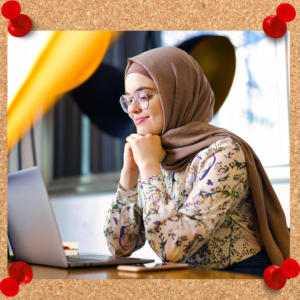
135,135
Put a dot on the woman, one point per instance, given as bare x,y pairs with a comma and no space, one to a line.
196,192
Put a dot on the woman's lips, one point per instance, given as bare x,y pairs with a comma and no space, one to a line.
140,120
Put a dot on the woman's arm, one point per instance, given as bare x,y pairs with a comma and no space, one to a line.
124,228
129,179
219,185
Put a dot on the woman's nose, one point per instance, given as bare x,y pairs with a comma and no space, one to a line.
133,108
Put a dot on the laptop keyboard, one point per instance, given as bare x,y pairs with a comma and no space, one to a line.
103,259
82,259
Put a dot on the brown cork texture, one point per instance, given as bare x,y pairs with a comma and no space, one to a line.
172,15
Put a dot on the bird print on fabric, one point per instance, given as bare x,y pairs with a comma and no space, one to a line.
120,203
207,170
122,233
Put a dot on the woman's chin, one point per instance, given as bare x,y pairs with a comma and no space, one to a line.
143,131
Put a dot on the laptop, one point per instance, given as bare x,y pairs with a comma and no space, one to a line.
32,229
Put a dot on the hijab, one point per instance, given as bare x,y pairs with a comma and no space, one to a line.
187,102
137,68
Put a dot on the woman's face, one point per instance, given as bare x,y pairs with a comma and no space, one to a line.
151,119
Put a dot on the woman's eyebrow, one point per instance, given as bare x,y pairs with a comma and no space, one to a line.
141,88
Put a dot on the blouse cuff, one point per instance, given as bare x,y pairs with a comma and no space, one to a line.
134,190
156,183
127,197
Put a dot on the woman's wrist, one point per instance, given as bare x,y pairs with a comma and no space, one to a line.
149,168
129,178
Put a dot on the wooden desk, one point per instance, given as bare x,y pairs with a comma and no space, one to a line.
43,272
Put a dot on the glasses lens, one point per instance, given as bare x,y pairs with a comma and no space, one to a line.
141,99
124,101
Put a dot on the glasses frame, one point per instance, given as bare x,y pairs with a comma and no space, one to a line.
135,100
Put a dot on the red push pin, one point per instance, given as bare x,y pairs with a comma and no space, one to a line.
275,277
20,273
18,24
275,26
9,287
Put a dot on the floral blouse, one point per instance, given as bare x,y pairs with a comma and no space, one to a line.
200,216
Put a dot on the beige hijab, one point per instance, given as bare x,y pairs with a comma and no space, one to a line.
187,102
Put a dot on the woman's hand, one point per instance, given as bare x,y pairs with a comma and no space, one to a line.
129,163
146,149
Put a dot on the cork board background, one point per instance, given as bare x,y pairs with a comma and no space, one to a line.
156,15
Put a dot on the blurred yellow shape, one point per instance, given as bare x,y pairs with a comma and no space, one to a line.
66,60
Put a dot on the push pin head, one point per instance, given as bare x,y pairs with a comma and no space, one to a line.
275,26
19,25
11,9
9,287
290,268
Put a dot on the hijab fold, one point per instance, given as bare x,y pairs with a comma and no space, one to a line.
187,102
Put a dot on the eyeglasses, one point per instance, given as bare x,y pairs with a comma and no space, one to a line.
140,98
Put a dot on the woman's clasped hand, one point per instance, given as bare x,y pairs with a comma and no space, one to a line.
147,152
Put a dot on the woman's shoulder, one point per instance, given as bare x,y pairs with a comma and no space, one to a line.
227,144
224,144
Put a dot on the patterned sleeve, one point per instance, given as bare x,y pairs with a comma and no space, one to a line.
219,184
124,227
